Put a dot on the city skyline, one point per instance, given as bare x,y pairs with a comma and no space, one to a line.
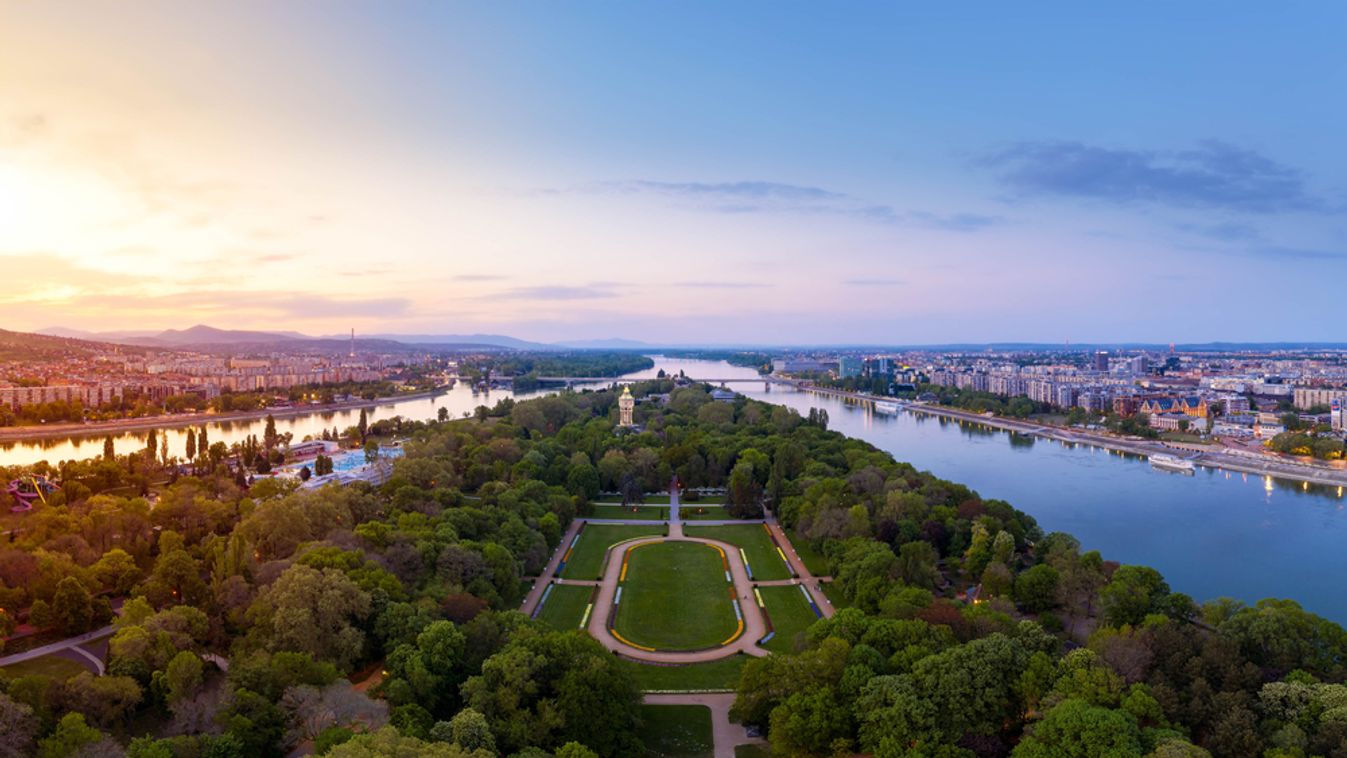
699,175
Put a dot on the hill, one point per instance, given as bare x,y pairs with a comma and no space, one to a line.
24,346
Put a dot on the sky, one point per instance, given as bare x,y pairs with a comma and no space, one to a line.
692,172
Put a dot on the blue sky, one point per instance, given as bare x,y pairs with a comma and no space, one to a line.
757,172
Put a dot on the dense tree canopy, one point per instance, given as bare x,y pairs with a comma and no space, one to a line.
381,621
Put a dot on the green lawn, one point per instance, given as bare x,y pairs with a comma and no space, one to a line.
675,598
54,666
813,560
649,499
790,614
715,675
587,558
688,512
654,512
831,592
753,538
565,606
676,731
752,751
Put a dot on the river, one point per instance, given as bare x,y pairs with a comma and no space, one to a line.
1211,534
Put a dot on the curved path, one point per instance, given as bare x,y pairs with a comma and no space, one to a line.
755,626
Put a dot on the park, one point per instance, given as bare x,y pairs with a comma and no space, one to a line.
685,604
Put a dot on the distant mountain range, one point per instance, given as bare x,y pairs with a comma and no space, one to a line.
207,337
24,346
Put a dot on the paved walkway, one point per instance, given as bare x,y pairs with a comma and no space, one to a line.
65,644
810,582
755,626
725,735
535,593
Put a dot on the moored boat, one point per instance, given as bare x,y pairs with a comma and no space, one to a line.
1172,463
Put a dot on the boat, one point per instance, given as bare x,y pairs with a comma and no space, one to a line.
887,407
1172,463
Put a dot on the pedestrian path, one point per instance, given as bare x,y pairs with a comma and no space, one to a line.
725,734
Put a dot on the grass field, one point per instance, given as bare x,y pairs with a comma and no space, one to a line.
790,614
752,751
587,558
676,731
654,512
715,675
813,560
649,499
713,512
831,592
675,598
753,538
54,666
565,606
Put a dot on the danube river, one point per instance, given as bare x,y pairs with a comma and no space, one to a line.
1211,534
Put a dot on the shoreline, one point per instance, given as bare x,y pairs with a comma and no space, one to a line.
181,420
1218,458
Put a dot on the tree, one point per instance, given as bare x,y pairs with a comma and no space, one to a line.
429,671
117,571
388,742
916,564
255,722
362,426
968,688
151,444
311,611
176,578
191,444
744,498
442,415
810,723
1076,729
71,607
1036,588
545,690
18,727
72,734
371,451
632,491
583,481
469,730
183,677
109,451
1131,594
269,436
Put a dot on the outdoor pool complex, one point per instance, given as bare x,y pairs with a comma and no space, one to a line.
350,460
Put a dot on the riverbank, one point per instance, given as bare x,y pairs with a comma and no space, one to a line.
183,420
1224,459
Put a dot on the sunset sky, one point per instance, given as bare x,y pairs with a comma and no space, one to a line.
686,172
